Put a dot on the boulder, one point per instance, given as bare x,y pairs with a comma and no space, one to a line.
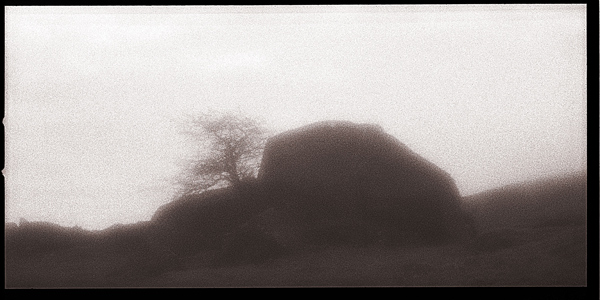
354,182
270,234
198,222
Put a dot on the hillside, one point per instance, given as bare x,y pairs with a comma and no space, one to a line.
531,234
545,202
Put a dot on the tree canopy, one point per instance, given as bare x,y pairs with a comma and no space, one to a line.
230,147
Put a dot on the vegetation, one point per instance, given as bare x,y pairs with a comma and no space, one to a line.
245,235
511,253
230,146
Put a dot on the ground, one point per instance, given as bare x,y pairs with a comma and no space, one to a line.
543,256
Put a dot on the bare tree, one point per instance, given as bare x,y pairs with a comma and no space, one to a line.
230,147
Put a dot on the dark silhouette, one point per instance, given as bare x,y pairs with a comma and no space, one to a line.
32,238
326,193
354,181
195,223
545,202
330,183
270,234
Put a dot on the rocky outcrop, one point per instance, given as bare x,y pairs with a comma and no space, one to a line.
326,183
354,181
270,234
200,222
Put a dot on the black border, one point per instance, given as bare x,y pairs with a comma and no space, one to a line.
592,289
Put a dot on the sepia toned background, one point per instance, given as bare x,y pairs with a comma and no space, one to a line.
491,94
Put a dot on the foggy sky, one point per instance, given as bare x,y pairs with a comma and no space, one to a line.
493,94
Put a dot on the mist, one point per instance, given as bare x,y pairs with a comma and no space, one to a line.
492,94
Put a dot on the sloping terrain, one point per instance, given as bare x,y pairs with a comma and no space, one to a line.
543,257
546,202
532,234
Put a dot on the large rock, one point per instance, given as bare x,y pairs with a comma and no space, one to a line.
270,234
194,223
355,182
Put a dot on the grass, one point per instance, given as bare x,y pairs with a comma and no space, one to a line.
552,256
523,240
